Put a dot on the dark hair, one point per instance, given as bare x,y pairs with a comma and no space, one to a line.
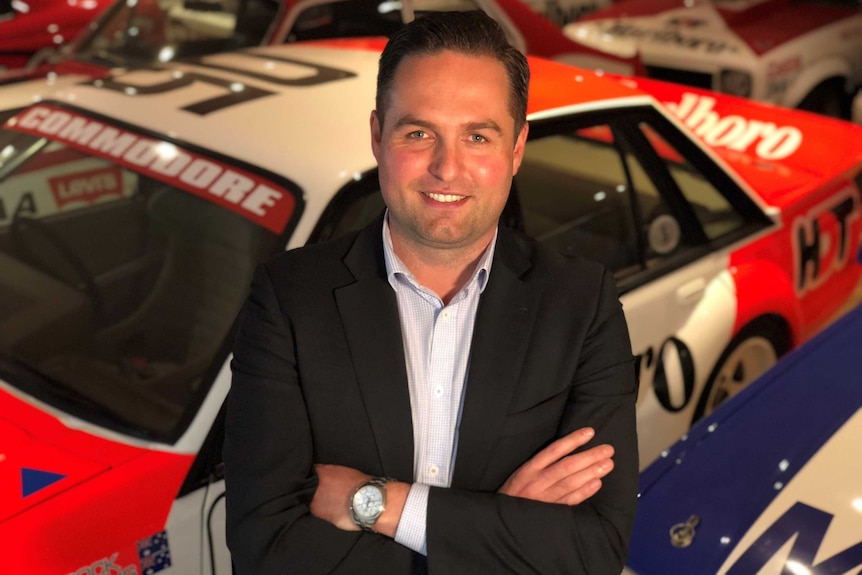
472,33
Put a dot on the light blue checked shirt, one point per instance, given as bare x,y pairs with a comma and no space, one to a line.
437,341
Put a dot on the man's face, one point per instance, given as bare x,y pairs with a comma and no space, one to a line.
447,150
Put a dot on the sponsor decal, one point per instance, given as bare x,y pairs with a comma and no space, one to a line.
154,553
673,374
782,67
805,526
87,186
669,36
25,204
34,480
821,239
236,189
766,139
106,566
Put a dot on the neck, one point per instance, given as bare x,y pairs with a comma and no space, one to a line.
444,271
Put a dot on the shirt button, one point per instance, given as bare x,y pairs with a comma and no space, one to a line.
433,471
438,391
445,314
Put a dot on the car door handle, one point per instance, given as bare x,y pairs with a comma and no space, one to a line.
691,292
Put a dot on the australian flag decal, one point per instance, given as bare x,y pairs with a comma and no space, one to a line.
154,553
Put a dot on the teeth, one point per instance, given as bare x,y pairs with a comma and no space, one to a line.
445,198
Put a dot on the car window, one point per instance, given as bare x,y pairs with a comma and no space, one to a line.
6,10
149,31
575,198
319,19
117,290
629,191
714,212
345,18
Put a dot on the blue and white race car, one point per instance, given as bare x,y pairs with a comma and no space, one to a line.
771,483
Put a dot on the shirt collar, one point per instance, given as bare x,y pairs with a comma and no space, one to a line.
395,266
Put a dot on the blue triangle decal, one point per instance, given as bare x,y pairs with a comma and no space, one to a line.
33,480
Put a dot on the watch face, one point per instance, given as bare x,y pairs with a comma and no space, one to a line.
368,502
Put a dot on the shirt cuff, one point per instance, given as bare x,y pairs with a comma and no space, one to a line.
411,527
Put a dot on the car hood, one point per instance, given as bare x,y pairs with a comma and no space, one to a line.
778,152
638,27
782,457
41,456
728,28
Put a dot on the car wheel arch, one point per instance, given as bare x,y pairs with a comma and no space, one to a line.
824,71
757,346
753,302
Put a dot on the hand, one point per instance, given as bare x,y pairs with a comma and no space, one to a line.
555,475
336,485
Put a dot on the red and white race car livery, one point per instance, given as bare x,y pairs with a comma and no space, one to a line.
134,208
796,53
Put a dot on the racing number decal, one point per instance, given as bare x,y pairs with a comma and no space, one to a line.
236,92
673,377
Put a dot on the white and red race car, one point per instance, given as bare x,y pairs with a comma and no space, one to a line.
134,207
26,27
129,34
798,53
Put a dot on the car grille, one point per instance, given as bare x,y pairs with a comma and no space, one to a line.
687,77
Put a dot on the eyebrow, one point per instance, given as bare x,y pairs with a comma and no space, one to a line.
410,120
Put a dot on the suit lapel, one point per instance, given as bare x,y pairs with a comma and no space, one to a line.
369,312
504,322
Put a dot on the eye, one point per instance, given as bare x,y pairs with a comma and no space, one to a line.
417,134
477,138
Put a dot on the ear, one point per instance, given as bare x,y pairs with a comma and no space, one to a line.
520,142
376,135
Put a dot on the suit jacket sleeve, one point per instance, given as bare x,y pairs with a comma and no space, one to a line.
269,461
470,532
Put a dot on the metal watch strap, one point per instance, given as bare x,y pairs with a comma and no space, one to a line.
379,482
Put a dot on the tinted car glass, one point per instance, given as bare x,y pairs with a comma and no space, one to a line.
117,290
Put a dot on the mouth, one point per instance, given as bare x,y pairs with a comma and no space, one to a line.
444,198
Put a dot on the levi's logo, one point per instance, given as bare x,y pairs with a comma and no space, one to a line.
87,186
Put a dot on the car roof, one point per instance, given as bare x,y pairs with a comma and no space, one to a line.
299,110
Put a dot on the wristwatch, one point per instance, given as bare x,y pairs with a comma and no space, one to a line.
368,502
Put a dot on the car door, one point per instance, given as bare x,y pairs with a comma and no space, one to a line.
632,192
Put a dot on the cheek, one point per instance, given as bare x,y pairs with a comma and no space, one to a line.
493,171
401,166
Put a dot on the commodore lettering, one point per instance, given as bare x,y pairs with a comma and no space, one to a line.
240,190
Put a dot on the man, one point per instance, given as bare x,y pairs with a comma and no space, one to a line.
413,398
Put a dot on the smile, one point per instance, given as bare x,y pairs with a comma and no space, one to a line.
444,198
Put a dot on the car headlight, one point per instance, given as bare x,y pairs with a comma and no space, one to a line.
735,82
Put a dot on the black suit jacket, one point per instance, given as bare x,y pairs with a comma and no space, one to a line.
320,377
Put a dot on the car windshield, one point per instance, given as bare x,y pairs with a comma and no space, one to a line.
118,286
138,32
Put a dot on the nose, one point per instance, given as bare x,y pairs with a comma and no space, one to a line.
445,160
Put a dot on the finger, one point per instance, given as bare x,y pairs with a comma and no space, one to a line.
574,464
580,495
562,447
